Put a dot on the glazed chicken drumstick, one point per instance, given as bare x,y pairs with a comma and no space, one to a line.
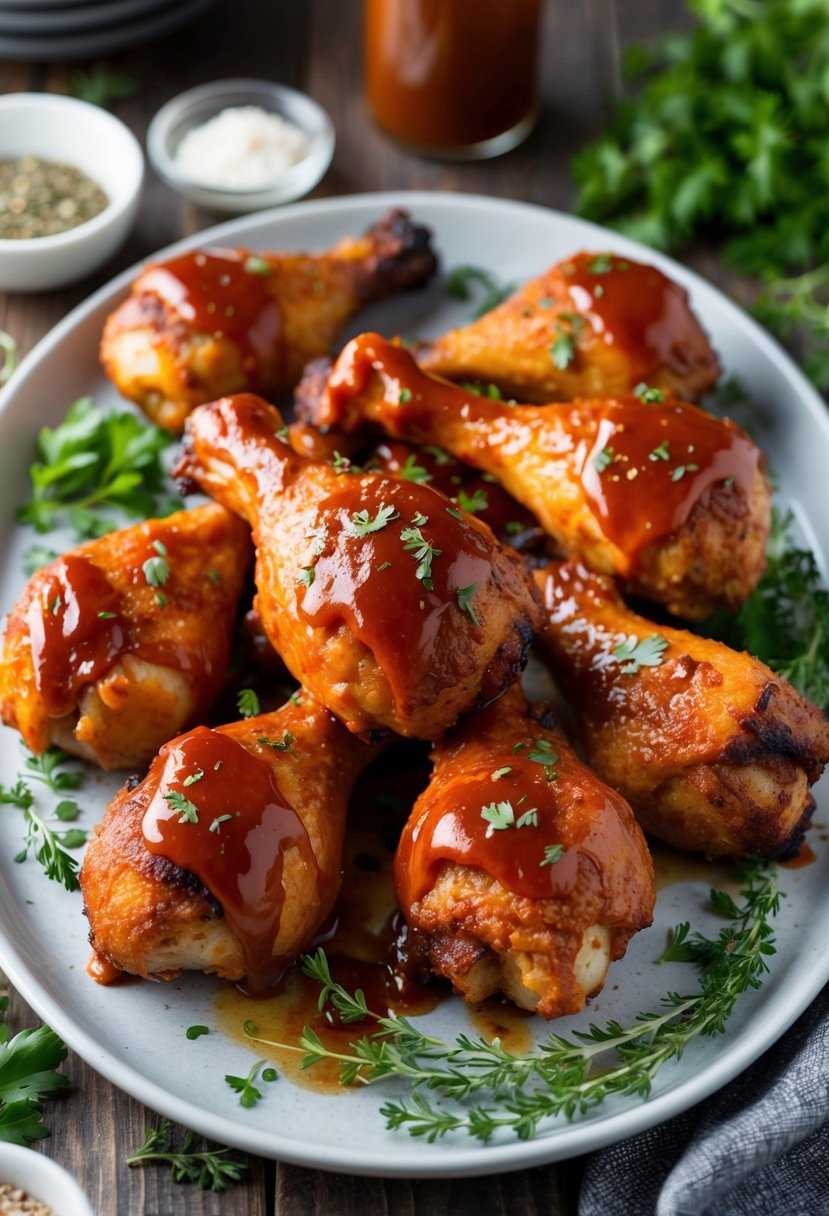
523,872
107,653
714,752
227,857
390,605
674,501
593,325
218,321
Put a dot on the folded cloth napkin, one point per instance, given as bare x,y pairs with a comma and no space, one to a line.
759,1147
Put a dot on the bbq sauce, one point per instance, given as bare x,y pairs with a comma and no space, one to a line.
218,813
395,599
224,292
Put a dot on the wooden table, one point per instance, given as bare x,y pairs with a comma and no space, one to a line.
315,45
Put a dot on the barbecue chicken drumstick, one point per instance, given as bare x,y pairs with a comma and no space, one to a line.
390,605
121,642
217,321
594,325
714,752
674,501
227,857
522,870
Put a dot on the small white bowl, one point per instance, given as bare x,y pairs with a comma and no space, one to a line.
197,106
64,129
42,1178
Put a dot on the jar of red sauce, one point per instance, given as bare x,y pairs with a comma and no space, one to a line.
453,78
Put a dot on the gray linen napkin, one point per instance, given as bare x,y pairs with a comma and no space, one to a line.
759,1147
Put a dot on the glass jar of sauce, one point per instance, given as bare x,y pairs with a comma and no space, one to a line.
453,78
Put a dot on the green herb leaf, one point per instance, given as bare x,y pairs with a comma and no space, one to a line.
459,284
552,854
211,1169
189,810
633,652
465,597
196,1032
423,551
247,702
257,265
28,1064
363,523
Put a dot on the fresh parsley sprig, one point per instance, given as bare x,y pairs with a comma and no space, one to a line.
484,1089
28,1064
92,461
211,1169
459,285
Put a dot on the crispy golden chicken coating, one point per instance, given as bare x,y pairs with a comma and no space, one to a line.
394,608
121,642
714,752
674,501
227,857
218,321
523,871
593,325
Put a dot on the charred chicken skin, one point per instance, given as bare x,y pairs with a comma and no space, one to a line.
394,608
594,325
218,321
227,857
674,501
714,752
106,653
524,872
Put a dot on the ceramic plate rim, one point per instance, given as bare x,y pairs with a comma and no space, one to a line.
437,1160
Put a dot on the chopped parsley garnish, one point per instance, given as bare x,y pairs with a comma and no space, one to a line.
306,576
542,753
256,265
107,616
214,576
412,471
423,551
650,396
405,395
193,777
363,523
563,349
601,263
500,772
465,597
604,459
681,469
189,810
454,513
458,284
660,452
278,745
473,503
249,1095
157,569
439,456
552,854
342,464
247,703
196,1032
501,815
634,653
216,825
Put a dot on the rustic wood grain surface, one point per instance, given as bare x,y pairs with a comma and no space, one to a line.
315,45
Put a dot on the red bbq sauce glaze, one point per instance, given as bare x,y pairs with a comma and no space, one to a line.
466,487
371,581
632,307
649,465
237,846
80,624
75,629
216,292
592,825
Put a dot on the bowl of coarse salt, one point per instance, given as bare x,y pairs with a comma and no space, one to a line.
32,1184
241,145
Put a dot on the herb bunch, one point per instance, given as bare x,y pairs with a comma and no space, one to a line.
723,135
91,462
478,1088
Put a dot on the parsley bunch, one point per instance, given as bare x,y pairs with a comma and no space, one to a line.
95,460
724,136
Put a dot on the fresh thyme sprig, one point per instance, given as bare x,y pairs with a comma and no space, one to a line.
211,1169
48,845
483,1089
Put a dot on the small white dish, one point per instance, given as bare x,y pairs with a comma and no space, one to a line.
197,106
73,132
42,1178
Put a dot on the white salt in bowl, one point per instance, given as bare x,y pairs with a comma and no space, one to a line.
63,129
195,107
42,1178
